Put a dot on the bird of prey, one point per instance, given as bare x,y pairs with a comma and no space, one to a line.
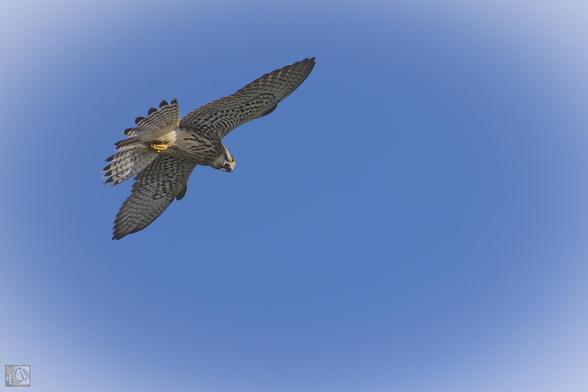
162,150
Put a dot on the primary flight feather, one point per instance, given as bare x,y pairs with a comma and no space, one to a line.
162,150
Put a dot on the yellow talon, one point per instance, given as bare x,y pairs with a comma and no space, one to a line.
159,147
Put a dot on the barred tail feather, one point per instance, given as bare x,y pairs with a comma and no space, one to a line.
161,120
130,159
134,154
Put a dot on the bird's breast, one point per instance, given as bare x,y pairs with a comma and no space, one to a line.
199,147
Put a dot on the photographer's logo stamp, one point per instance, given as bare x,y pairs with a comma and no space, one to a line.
17,375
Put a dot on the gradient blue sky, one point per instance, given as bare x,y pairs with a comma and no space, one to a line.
412,218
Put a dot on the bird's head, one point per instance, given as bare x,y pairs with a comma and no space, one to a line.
226,162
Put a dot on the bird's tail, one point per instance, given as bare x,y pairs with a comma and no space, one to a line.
136,152
131,158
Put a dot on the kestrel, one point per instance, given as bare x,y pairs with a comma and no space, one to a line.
162,150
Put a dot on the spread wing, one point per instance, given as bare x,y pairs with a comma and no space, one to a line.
164,180
255,100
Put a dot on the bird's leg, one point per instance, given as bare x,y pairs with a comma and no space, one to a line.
159,146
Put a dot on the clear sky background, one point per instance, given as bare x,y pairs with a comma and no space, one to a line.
413,218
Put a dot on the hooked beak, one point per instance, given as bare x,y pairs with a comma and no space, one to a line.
229,166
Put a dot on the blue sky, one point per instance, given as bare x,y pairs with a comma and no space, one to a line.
412,218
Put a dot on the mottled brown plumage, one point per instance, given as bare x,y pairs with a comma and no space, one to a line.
161,151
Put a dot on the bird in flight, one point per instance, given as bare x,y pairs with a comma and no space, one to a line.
162,150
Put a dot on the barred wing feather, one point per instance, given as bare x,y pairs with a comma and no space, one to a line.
255,100
165,179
